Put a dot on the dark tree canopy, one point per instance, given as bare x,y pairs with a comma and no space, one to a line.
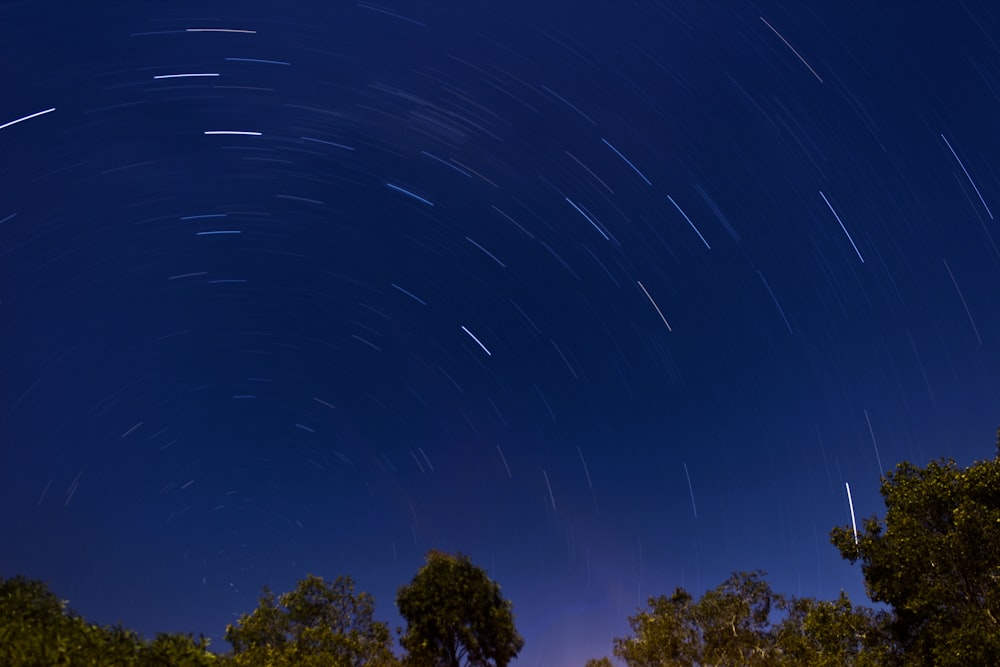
664,634
735,620
743,622
729,625
821,633
456,616
318,623
935,559
37,628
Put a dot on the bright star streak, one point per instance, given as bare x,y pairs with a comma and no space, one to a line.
184,76
473,337
854,523
28,117
236,132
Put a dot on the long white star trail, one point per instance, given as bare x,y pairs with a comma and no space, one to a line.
28,117
478,342
850,502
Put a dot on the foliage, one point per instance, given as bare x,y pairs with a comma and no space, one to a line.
598,662
37,628
735,620
666,634
729,625
455,615
833,634
733,625
172,649
317,624
34,624
935,559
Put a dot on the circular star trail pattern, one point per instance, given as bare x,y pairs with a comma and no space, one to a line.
613,297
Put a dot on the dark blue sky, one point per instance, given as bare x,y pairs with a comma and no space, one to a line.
612,296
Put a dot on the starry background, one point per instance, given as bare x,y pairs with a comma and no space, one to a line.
611,296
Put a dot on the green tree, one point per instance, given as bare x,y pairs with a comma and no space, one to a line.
174,649
735,621
729,625
456,616
598,662
317,624
935,559
37,628
667,633
35,625
821,633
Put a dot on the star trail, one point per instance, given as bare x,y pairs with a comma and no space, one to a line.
613,297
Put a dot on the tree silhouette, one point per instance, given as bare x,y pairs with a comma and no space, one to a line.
935,559
318,623
456,616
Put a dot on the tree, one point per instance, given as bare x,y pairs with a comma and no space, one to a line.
729,625
31,622
171,649
37,628
735,621
833,634
316,624
665,634
598,662
732,625
455,615
935,559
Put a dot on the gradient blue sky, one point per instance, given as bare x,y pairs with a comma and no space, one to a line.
611,296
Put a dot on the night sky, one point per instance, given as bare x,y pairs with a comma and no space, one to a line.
611,296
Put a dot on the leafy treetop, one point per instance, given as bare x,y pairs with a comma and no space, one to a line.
456,616
935,559
317,624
